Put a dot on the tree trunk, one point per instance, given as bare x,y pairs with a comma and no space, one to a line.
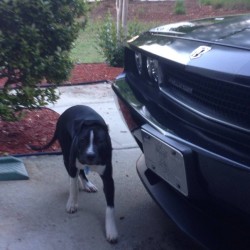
122,16
118,17
125,16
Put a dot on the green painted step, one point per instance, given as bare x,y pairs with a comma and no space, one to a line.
12,168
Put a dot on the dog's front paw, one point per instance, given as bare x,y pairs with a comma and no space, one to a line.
112,235
71,206
111,230
87,186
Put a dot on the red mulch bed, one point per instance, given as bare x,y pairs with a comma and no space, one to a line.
34,129
89,72
94,72
38,126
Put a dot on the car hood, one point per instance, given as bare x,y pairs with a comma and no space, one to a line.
230,30
226,41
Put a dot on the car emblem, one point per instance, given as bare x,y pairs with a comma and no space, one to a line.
199,52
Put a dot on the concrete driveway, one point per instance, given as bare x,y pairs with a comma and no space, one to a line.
32,212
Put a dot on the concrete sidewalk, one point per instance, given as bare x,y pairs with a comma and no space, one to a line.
32,212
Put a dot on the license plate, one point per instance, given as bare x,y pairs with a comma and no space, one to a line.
166,161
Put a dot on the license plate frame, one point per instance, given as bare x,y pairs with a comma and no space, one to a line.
166,161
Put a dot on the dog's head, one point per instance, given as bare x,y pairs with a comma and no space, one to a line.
93,145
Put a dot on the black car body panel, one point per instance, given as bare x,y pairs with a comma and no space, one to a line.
187,86
231,31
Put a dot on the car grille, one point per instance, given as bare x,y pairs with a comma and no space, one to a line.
222,101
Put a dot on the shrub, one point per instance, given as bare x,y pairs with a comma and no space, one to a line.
180,7
110,44
35,40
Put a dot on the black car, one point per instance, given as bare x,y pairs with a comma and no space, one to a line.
185,96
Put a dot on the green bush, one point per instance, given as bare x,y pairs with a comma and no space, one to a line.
35,40
111,45
108,43
179,7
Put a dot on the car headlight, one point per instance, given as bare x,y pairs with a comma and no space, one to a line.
153,69
138,61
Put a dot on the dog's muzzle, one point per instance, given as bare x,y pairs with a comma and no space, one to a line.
90,157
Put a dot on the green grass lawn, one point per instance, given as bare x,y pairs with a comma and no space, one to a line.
85,50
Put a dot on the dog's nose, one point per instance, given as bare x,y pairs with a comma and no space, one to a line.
91,156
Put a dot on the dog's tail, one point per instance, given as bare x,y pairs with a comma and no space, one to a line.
51,142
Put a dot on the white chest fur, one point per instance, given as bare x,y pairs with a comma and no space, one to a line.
96,168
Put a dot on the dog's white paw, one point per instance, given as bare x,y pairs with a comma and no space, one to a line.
87,186
110,225
71,206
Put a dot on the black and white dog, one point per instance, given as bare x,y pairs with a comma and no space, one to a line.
86,144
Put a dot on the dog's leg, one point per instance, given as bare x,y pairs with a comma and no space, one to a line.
72,203
85,184
110,224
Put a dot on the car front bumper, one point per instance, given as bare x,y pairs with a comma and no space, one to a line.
216,189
